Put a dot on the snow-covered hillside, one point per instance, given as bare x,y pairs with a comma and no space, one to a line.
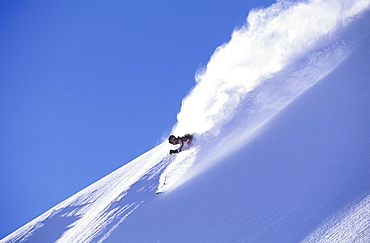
281,116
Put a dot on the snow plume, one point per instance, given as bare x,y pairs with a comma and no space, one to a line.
279,53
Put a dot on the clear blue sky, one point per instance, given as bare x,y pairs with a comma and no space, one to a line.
87,86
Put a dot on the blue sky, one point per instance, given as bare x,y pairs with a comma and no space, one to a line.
87,86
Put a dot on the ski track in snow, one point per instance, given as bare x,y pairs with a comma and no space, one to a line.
235,96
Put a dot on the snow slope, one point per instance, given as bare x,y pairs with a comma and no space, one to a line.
275,189
263,168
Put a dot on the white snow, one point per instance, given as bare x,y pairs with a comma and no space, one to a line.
352,225
281,118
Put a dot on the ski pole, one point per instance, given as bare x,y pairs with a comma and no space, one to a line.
169,161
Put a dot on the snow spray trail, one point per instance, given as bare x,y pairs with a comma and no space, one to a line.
279,53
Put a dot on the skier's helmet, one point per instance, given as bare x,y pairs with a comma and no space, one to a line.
171,138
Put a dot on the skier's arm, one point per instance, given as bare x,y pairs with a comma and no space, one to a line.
181,146
179,149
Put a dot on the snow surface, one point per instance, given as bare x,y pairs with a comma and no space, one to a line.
279,156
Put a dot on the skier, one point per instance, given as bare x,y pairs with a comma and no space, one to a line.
184,142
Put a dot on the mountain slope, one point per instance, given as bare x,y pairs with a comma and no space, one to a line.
282,157
274,189
307,165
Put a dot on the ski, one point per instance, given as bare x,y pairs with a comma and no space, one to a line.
159,191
